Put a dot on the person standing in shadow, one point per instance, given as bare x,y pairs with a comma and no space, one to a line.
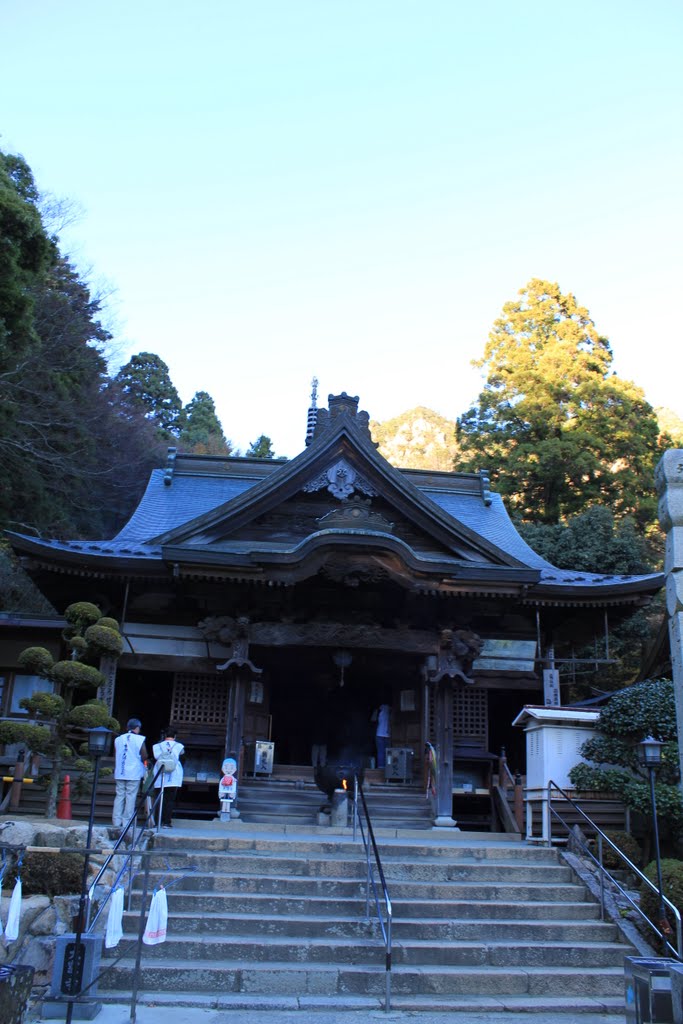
382,717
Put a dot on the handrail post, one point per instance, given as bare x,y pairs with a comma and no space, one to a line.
602,878
387,1000
502,764
547,825
518,805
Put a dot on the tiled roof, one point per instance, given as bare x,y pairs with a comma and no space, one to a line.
164,508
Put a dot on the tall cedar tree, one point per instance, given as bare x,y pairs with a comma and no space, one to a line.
146,386
556,429
202,433
261,448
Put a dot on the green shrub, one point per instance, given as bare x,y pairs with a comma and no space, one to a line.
82,614
104,640
626,843
111,623
75,673
672,885
47,874
36,660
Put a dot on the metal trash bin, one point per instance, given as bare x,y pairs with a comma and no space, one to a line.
399,765
648,989
16,981
676,975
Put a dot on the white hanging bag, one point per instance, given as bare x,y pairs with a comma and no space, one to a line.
155,932
14,914
115,920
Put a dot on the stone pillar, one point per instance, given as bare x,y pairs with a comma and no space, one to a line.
108,688
669,481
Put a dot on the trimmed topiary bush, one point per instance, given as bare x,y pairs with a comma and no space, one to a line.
109,623
82,614
672,885
37,661
75,673
104,640
627,844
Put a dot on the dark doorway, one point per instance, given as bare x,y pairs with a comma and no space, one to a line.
310,705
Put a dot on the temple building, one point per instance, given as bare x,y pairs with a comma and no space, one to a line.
287,600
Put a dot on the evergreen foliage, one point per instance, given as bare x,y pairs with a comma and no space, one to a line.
591,541
672,887
261,448
646,709
554,426
69,455
202,433
146,385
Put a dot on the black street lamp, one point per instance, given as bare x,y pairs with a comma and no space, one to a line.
650,756
99,744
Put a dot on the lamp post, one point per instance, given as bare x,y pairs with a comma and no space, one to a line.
99,744
650,755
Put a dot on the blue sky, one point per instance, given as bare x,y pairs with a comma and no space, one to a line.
284,188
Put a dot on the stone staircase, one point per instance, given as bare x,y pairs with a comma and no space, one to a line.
272,919
297,801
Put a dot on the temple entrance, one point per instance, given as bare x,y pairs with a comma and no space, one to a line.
315,703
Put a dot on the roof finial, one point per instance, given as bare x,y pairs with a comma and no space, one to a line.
312,412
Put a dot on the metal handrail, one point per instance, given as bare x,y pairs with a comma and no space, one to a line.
127,852
384,922
676,950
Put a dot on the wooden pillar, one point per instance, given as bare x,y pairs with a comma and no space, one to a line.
234,726
443,701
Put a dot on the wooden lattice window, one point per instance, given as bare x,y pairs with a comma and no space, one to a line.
199,699
470,716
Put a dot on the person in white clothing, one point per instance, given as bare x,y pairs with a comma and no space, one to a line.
171,781
382,716
129,768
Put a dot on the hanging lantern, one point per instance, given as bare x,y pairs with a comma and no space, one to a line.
342,660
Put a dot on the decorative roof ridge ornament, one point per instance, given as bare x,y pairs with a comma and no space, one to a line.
341,480
485,483
312,412
347,406
170,466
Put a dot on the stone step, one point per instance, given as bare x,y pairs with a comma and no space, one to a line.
202,905
272,977
533,1007
317,844
222,926
270,916
339,950
428,870
214,887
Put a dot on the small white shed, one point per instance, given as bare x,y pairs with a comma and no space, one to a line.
553,739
